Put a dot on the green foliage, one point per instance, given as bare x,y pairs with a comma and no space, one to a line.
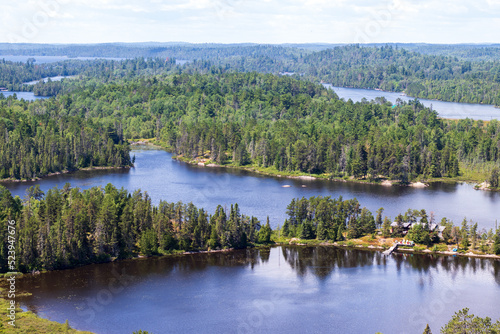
69,227
148,244
496,243
325,218
396,69
494,177
427,330
386,228
419,235
268,121
464,323
265,233
37,140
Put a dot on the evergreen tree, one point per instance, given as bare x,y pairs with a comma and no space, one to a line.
386,228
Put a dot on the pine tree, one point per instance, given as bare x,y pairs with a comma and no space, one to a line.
386,228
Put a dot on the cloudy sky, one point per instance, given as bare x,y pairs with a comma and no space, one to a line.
260,21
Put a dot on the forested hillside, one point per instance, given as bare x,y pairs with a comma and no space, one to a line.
13,74
40,138
263,120
286,124
424,76
450,73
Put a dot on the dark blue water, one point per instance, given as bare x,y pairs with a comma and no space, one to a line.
444,109
284,290
261,196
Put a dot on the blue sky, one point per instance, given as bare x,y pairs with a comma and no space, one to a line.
259,21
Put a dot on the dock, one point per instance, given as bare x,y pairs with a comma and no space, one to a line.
408,243
390,250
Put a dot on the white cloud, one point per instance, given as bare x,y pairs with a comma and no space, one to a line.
266,21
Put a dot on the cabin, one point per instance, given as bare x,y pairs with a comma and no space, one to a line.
407,226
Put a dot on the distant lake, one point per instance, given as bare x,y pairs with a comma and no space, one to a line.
56,78
457,110
29,96
51,59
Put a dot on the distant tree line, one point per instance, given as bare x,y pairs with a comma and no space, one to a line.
449,73
424,76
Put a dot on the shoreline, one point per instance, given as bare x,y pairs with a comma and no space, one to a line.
66,171
382,182
421,252
307,177
291,242
403,92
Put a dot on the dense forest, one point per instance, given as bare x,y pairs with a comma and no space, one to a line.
424,76
13,75
324,218
68,227
260,120
38,139
285,124
467,73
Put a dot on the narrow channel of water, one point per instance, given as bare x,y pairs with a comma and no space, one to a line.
261,196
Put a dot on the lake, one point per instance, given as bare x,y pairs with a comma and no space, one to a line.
282,290
261,196
56,78
288,289
29,96
456,110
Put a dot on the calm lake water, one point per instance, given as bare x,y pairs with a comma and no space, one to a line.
261,196
445,109
29,96
56,78
281,290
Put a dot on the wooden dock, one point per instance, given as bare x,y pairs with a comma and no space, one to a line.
390,250
407,243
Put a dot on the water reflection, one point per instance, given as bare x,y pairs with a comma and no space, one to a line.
319,261
319,287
